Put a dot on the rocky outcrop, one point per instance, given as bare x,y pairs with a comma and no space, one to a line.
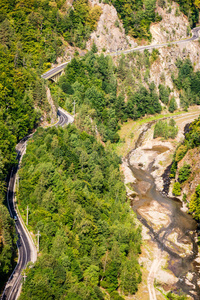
191,159
110,35
53,110
163,68
174,25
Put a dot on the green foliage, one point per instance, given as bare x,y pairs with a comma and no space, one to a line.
143,102
91,82
31,38
184,173
80,21
172,296
188,82
180,152
77,200
173,169
7,244
154,55
184,198
194,204
172,105
94,48
192,139
164,94
137,16
190,9
165,129
176,189
115,296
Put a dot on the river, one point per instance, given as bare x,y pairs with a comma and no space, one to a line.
172,229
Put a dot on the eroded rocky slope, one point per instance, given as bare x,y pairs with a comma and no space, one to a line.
174,25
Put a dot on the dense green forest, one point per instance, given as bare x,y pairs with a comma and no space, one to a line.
99,88
32,36
77,200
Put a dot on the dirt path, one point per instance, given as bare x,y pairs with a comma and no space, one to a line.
151,276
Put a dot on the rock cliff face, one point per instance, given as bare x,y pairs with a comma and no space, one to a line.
53,110
110,34
192,159
174,25
162,69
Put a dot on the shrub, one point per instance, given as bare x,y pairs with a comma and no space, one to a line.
184,172
176,189
180,153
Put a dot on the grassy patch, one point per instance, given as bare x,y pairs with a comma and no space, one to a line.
129,132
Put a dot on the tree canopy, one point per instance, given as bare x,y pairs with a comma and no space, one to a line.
77,200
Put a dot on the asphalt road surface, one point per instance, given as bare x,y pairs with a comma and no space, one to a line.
24,248
54,70
24,245
195,35
63,118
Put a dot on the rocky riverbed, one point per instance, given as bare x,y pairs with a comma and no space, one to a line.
168,232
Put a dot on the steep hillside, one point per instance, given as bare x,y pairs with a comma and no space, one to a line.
173,26
34,35
185,169
109,35
89,240
7,244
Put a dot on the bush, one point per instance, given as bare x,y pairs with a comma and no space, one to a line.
184,172
163,129
172,105
176,189
180,153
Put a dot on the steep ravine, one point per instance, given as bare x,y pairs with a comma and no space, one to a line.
173,230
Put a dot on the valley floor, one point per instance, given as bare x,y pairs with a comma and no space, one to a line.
154,261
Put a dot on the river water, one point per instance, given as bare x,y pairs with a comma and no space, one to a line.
178,231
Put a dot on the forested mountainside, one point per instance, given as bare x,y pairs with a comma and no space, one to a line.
185,170
137,16
105,94
33,36
92,82
77,200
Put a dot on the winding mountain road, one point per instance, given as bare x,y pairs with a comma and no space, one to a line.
195,36
26,249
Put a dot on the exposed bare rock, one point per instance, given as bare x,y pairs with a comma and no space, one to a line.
110,34
192,159
165,65
174,25
53,111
